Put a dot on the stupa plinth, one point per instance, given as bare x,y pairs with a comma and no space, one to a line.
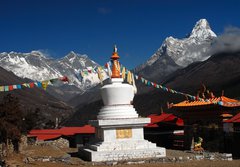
119,129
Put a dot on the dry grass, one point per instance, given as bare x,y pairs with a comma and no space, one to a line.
45,151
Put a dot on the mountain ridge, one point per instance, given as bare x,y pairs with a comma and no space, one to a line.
35,99
38,66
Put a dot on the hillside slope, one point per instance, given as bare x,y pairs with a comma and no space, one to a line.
35,98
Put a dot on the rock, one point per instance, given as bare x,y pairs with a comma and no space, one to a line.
211,158
111,163
2,163
61,143
227,156
45,159
28,160
199,157
135,162
66,158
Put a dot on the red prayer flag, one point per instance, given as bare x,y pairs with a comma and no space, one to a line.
64,79
31,84
10,87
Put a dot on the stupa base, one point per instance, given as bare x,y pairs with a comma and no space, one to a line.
119,140
123,155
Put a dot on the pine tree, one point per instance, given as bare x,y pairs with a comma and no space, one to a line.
11,121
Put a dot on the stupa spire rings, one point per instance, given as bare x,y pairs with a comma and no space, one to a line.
115,63
115,48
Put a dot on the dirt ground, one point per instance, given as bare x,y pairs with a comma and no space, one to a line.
19,160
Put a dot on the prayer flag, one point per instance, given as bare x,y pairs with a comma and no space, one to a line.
45,84
123,73
64,79
6,88
134,85
100,76
19,86
39,84
10,87
129,77
25,85
1,88
31,85
136,76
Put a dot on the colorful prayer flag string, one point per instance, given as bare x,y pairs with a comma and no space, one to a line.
42,84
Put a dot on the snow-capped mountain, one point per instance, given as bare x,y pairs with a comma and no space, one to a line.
32,65
37,66
195,47
72,64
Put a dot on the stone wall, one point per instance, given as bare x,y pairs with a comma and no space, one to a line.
9,149
60,143
6,149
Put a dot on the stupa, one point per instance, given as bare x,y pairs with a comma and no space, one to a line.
119,129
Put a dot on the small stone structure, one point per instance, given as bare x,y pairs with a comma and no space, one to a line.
119,129
61,143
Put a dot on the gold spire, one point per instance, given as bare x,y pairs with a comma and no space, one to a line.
115,64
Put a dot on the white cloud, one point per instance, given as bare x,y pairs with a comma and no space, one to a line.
228,41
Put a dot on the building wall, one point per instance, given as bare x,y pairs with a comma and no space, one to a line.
236,140
80,140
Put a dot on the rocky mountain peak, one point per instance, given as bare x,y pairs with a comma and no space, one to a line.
202,30
37,53
72,55
181,52
202,23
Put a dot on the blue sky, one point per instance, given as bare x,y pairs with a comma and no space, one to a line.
92,27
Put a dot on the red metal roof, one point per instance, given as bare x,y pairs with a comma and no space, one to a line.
163,118
47,137
234,119
77,130
48,134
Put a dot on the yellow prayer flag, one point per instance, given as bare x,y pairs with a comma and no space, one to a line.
100,76
123,73
25,84
45,84
1,88
118,66
129,77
